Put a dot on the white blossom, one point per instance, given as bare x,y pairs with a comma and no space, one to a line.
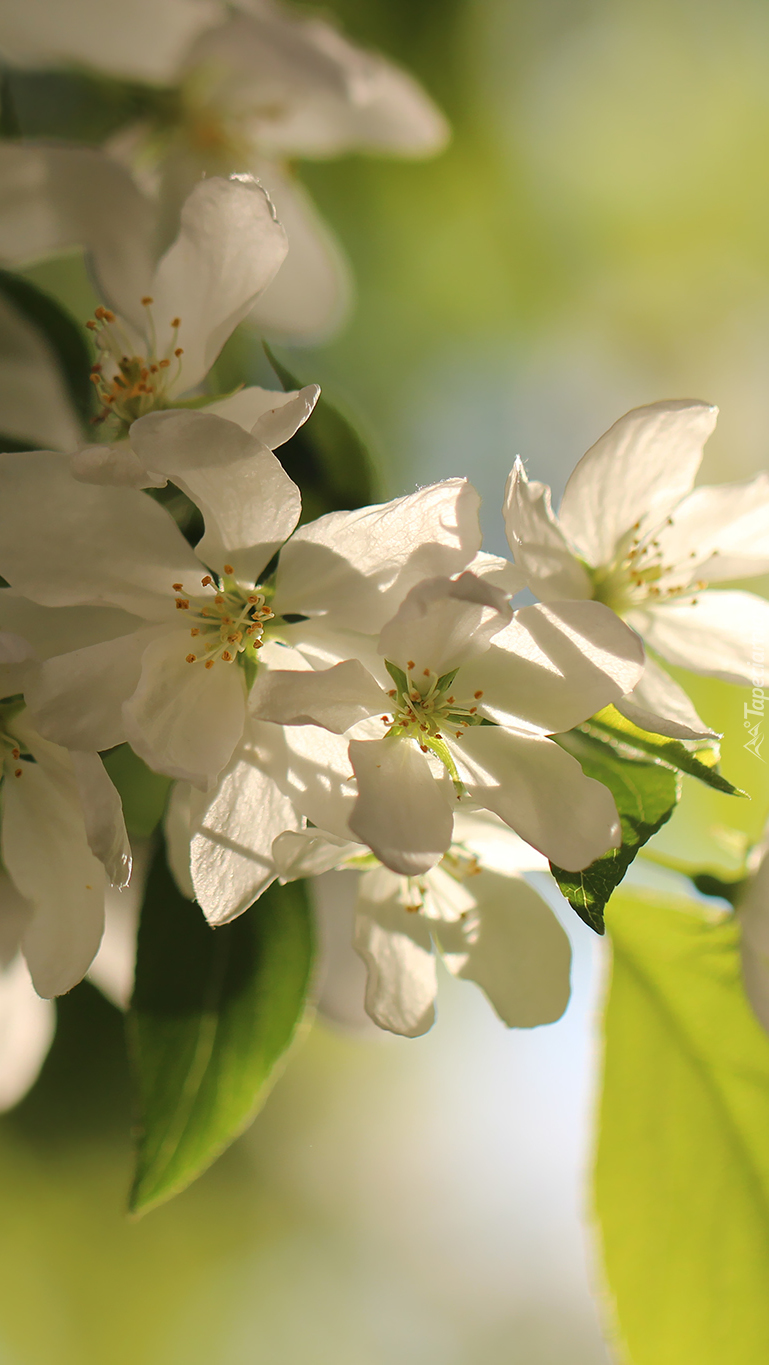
478,692
474,910
633,533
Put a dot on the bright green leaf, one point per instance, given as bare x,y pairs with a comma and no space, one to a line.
327,458
646,794
64,336
700,759
682,1174
214,1012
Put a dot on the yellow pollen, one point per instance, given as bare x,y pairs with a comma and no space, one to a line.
195,630
163,364
227,656
91,325
17,773
410,664
229,569
208,580
176,322
209,663
177,587
182,604
15,753
477,696
191,658
179,351
147,300
425,672
218,599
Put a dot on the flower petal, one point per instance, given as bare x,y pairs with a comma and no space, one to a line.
270,416
720,533
67,543
312,292
754,925
184,719
232,837
34,401
638,470
494,843
311,853
658,704
397,950
27,1026
229,247
541,792
356,567
312,767
112,970
514,948
116,466
442,623
45,851
103,816
249,503
336,698
57,199
555,665
404,812
718,635
540,549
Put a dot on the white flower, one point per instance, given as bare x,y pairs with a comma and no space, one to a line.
478,691
167,320
61,828
264,85
474,910
631,533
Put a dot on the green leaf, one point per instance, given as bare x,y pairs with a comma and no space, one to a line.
700,760
214,1012
646,794
327,458
63,334
682,1170
398,677
143,793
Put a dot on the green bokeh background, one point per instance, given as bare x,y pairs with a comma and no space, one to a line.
595,237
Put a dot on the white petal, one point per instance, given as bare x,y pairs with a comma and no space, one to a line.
720,533
34,402
658,704
116,466
27,1026
340,975
445,622
229,247
514,949
358,566
494,843
311,294
232,837
15,915
397,950
312,767
336,698
144,41
638,470
54,630
56,199
17,663
270,416
310,853
541,550
103,815
555,665
541,792
66,543
77,699
185,719
403,812
500,572
249,503
45,850
718,636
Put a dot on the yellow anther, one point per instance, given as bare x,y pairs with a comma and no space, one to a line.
227,656
147,300
191,658
176,322
177,587
18,772
229,569
182,604
209,663
207,581
163,364
179,351
15,753
411,664
195,630
477,695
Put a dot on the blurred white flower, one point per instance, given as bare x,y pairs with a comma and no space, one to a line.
631,533
263,85
474,910
753,918
478,693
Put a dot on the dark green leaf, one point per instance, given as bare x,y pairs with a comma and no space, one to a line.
398,677
327,458
79,106
143,793
699,759
646,794
213,1013
65,337
682,1168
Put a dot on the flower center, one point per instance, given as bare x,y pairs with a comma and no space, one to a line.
639,574
128,385
227,624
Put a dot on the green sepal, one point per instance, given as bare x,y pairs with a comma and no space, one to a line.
445,680
646,794
398,677
327,458
700,761
213,1014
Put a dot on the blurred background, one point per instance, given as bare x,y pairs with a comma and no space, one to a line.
596,237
